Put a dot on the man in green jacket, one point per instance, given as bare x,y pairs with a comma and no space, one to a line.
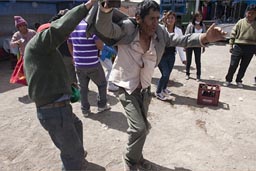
242,46
48,86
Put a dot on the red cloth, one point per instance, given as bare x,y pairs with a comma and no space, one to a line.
43,27
18,75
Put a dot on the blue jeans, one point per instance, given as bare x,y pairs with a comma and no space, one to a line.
97,75
66,132
165,66
241,54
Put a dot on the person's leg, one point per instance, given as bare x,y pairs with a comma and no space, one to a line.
197,52
136,108
189,58
248,52
234,61
164,69
108,65
83,82
97,75
170,64
61,125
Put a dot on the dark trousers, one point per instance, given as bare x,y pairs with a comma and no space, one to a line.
97,75
241,54
136,109
197,52
165,66
66,132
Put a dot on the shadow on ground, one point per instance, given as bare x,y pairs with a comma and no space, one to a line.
94,167
112,120
188,101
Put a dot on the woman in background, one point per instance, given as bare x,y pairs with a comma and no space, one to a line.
167,62
196,26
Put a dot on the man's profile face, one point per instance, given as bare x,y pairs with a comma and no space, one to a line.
149,24
250,15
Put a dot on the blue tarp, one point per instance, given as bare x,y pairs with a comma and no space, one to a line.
46,1
7,8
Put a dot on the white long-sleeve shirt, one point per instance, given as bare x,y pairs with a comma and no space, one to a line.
180,50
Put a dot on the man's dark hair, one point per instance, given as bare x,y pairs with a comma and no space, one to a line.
251,7
144,7
194,18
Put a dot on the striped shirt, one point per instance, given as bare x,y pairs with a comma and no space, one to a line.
85,52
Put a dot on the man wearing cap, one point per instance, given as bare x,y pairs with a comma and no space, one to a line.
22,36
48,86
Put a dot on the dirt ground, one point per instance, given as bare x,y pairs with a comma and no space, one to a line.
185,136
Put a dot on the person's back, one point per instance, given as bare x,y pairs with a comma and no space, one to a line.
85,54
85,51
49,87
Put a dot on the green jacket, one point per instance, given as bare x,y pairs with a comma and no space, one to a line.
243,33
44,68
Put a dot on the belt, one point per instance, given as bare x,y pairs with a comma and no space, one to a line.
143,90
55,104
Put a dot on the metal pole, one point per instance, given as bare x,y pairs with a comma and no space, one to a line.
240,6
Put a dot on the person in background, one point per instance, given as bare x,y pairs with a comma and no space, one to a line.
49,88
18,41
22,36
108,53
88,67
196,26
141,43
37,25
242,46
163,19
168,59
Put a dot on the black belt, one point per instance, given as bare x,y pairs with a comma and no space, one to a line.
143,90
55,104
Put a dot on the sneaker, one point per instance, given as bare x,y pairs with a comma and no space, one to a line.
239,84
187,77
226,84
160,96
86,113
106,107
113,87
167,92
198,78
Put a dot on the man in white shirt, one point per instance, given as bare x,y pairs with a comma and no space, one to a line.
141,44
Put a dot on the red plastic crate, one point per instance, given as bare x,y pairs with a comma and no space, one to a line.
208,94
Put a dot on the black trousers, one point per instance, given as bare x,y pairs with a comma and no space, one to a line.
197,52
242,54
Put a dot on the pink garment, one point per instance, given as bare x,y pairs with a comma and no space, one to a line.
18,20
